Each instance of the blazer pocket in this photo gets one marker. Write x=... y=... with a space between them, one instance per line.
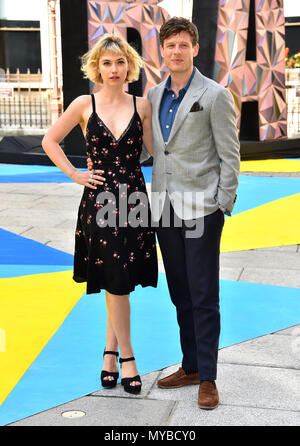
x=196 y=107
x=197 y=115
x=195 y=112
x=194 y=124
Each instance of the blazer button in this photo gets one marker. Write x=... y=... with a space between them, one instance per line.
x=166 y=152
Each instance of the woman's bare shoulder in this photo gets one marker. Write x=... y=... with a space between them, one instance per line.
x=144 y=106
x=81 y=105
x=82 y=100
x=143 y=101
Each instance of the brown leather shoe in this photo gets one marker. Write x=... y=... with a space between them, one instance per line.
x=178 y=379
x=208 y=396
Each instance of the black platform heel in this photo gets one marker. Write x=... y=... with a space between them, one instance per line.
x=109 y=384
x=126 y=382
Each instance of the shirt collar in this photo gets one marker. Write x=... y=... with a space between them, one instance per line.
x=184 y=89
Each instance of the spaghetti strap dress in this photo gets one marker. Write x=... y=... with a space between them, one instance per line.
x=115 y=245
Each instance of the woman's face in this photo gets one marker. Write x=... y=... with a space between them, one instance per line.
x=113 y=68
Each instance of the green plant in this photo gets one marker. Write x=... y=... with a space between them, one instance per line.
x=292 y=61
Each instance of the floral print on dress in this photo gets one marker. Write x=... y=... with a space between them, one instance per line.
x=115 y=258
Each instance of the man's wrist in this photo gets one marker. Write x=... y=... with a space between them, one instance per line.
x=225 y=211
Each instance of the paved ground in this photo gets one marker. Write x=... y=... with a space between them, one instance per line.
x=258 y=380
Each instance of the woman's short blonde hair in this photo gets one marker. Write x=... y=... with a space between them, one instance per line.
x=115 y=43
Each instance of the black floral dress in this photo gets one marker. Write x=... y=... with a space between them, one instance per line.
x=115 y=247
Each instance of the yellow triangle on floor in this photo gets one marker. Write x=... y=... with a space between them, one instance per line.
x=276 y=165
x=273 y=224
x=32 y=308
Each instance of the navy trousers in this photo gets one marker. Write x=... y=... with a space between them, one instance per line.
x=192 y=271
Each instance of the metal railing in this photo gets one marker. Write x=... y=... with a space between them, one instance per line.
x=24 y=104
x=29 y=105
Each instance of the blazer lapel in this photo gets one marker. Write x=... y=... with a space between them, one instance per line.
x=194 y=92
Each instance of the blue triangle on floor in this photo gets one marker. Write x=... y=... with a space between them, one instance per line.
x=44 y=174
x=27 y=270
x=16 y=249
x=256 y=191
x=253 y=191
x=69 y=366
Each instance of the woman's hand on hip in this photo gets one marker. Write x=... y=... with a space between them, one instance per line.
x=88 y=178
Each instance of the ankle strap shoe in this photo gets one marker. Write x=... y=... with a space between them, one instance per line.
x=126 y=382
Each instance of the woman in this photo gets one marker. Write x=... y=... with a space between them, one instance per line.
x=119 y=255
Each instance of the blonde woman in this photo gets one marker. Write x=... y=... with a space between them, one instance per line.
x=117 y=256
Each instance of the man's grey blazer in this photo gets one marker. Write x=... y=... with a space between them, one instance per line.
x=202 y=154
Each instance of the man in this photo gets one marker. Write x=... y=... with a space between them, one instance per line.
x=196 y=154
x=196 y=150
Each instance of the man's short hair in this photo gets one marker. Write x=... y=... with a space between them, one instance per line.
x=174 y=26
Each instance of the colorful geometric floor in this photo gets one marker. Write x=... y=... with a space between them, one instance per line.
x=273 y=165
x=52 y=333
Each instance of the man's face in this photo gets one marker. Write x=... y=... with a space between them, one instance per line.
x=179 y=52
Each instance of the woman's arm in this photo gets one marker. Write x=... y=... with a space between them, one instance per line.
x=147 y=124
x=50 y=143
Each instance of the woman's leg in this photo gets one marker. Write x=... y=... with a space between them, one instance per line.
x=118 y=310
x=110 y=362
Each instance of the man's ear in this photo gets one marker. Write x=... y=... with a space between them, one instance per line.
x=196 y=50
x=161 y=51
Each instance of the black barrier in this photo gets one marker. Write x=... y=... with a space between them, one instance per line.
x=205 y=17
x=74 y=37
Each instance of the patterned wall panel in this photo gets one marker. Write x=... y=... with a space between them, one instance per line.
x=145 y=16
x=262 y=80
